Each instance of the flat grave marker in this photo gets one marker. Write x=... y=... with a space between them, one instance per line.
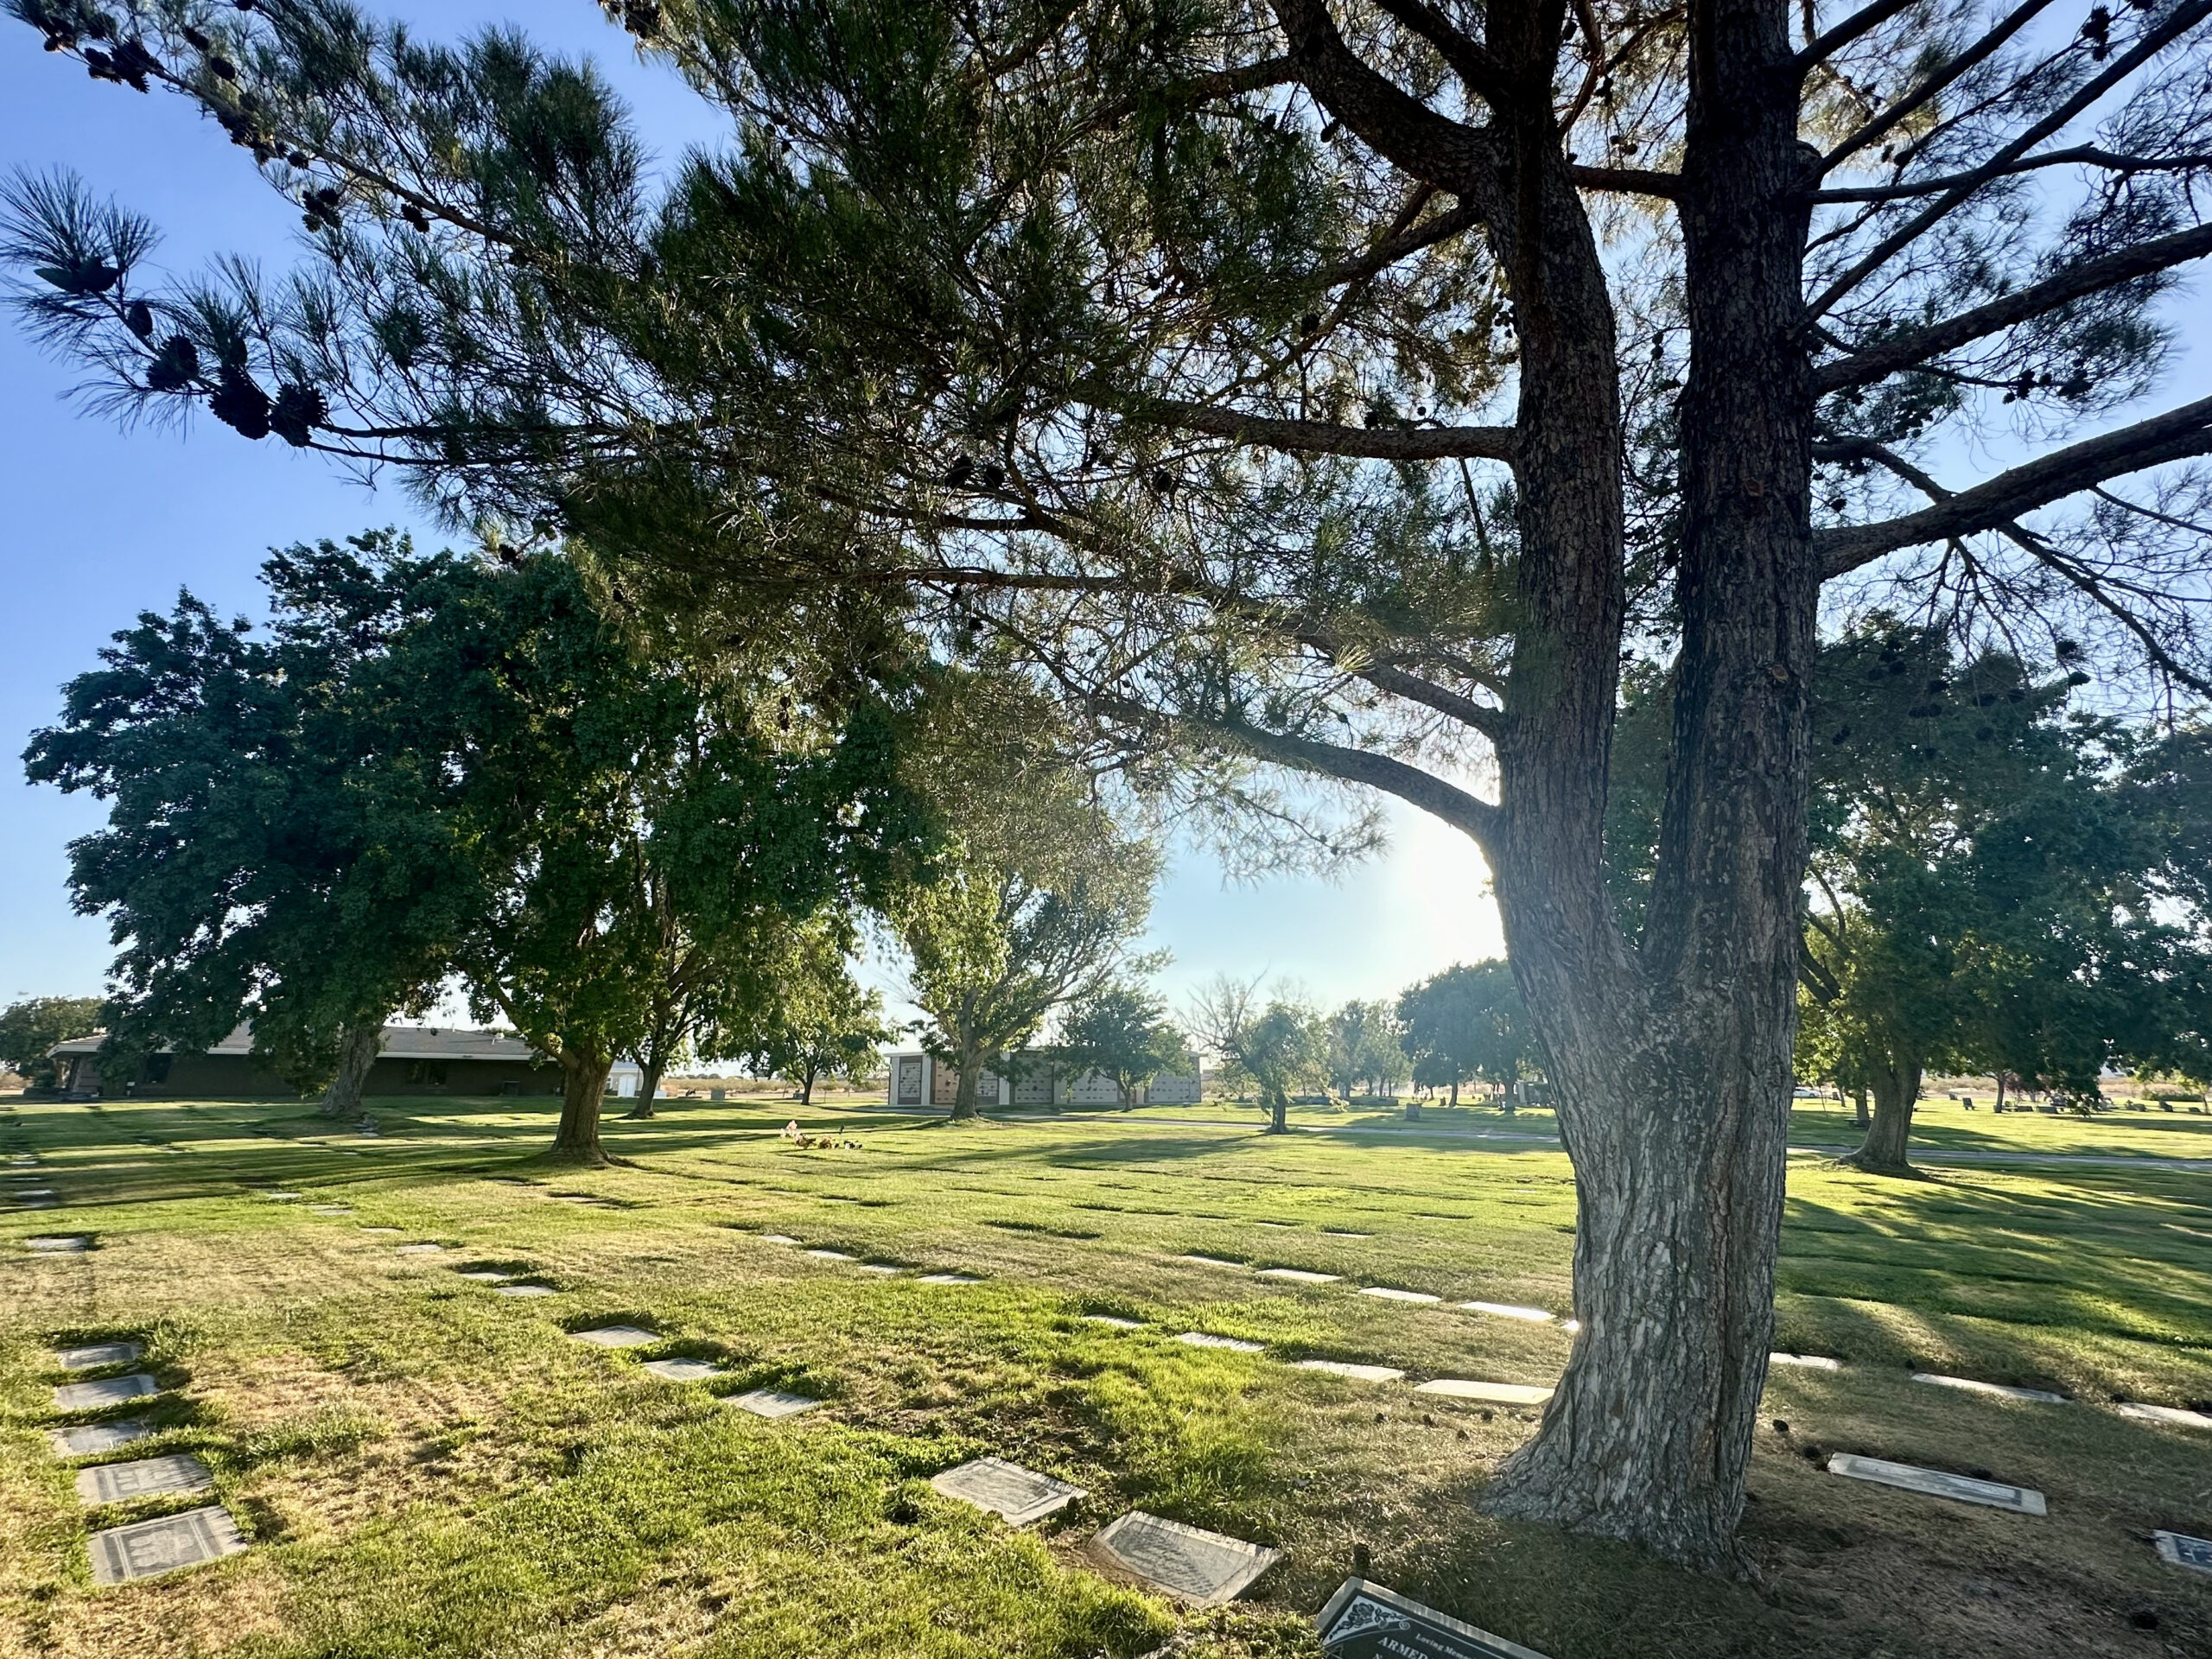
x=1201 y=1567
x=1017 y=1495
x=2179 y=1549
x=280 y=1195
x=107 y=1391
x=887 y=1269
x=1209 y=1261
x=1510 y=1311
x=97 y=1353
x=1366 y=1620
x=153 y=1548
x=58 y=1243
x=23 y=1160
x=684 y=1370
x=175 y=1475
x=1331 y=1232
x=1806 y=1362
x=1389 y=1293
x=331 y=1209
x=828 y=1256
x=773 y=1403
x=949 y=1279
x=1114 y=1319
x=1971 y=1386
x=483 y=1275
x=1207 y=1339
x=422 y=1249
x=524 y=1290
x=1934 y=1482
x=615 y=1336
x=1349 y=1368
x=1497 y=1394
x=380 y=1230
x=777 y=1238
x=1300 y=1277
x=90 y=1439
x=2177 y=1416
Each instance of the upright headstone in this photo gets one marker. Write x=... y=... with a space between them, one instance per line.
x=1201 y=1567
x=1016 y=1495
x=1366 y=1621
x=152 y=1547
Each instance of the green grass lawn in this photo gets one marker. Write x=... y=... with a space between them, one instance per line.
x=427 y=1468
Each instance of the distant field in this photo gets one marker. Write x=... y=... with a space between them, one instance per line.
x=427 y=1468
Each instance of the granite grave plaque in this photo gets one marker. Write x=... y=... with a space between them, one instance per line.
x=1509 y=1311
x=1390 y=1294
x=1209 y=1260
x=684 y=1370
x=616 y=1336
x=1299 y=1276
x=830 y=1256
x=1366 y=1621
x=1114 y=1319
x=97 y=1353
x=483 y=1275
x=773 y=1403
x=1331 y=1232
x=119 y=1483
x=1207 y=1339
x=1806 y=1362
x=2179 y=1549
x=89 y=1440
x=422 y=1249
x=107 y=1391
x=58 y=1243
x=1016 y=1495
x=1973 y=1387
x=949 y=1278
x=152 y=1547
x=366 y=1229
x=1202 y=1568
x=2177 y=1416
x=332 y=1209
x=1348 y=1368
x=525 y=1291
x=1934 y=1483
x=280 y=1195
x=1497 y=1393
x=777 y=1238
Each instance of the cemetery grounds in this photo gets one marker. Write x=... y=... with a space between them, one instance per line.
x=425 y=1464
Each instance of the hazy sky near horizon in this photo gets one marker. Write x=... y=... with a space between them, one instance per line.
x=101 y=523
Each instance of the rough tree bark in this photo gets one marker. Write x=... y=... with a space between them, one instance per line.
x=1896 y=1080
x=1671 y=1064
x=971 y=1060
x=649 y=1075
x=1279 y=1111
x=584 y=1089
x=357 y=1054
x=1858 y=1105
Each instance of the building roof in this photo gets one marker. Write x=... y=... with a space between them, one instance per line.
x=400 y=1043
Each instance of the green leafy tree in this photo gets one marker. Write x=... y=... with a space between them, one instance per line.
x=1467 y=1021
x=1276 y=1048
x=1256 y=380
x=1123 y=1031
x=1365 y=1047
x=30 y=1026
x=823 y=1023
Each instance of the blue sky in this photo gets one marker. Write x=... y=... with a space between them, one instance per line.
x=99 y=524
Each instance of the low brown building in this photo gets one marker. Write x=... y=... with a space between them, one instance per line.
x=415 y=1060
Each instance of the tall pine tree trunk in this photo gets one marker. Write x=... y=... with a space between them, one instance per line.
x=1886 y=1148
x=1670 y=1062
x=583 y=1090
x=357 y=1056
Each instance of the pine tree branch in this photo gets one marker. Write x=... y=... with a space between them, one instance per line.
x=2155 y=40
x=1481 y=717
x=1628 y=181
x=1887 y=121
x=2082 y=154
x=1481 y=72
x=1859 y=23
x=2070 y=283
x=2174 y=436
x=1327 y=438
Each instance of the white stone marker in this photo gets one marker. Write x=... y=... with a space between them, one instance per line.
x=2179 y=1549
x=175 y=1475
x=22 y=1159
x=1331 y=1232
x=525 y=1290
x=1015 y=1494
x=483 y=1275
x=1201 y=1567
x=98 y=1353
x=2179 y=1416
x=777 y=1238
x=684 y=1370
x=58 y=1243
x=773 y=1403
x=889 y=1269
x=332 y=1209
x=830 y=1256
x=1209 y=1260
x=616 y=1336
x=1509 y=1311
x=1806 y=1362
x=1115 y=1320
x=92 y=1439
x=27 y=1194
x=1389 y=1294
x=280 y=1195
x=1973 y=1387
x=1300 y=1277
x=379 y=1230
x=1234 y=1345
x=1995 y=1495
x=152 y=1547
x=422 y=1249
x=949 y=1279
x=1346 y=1367
x=108 y=1391
x=1497 y=1393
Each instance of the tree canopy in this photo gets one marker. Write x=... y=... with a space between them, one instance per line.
x=1340 y=388
x=32 y=1025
